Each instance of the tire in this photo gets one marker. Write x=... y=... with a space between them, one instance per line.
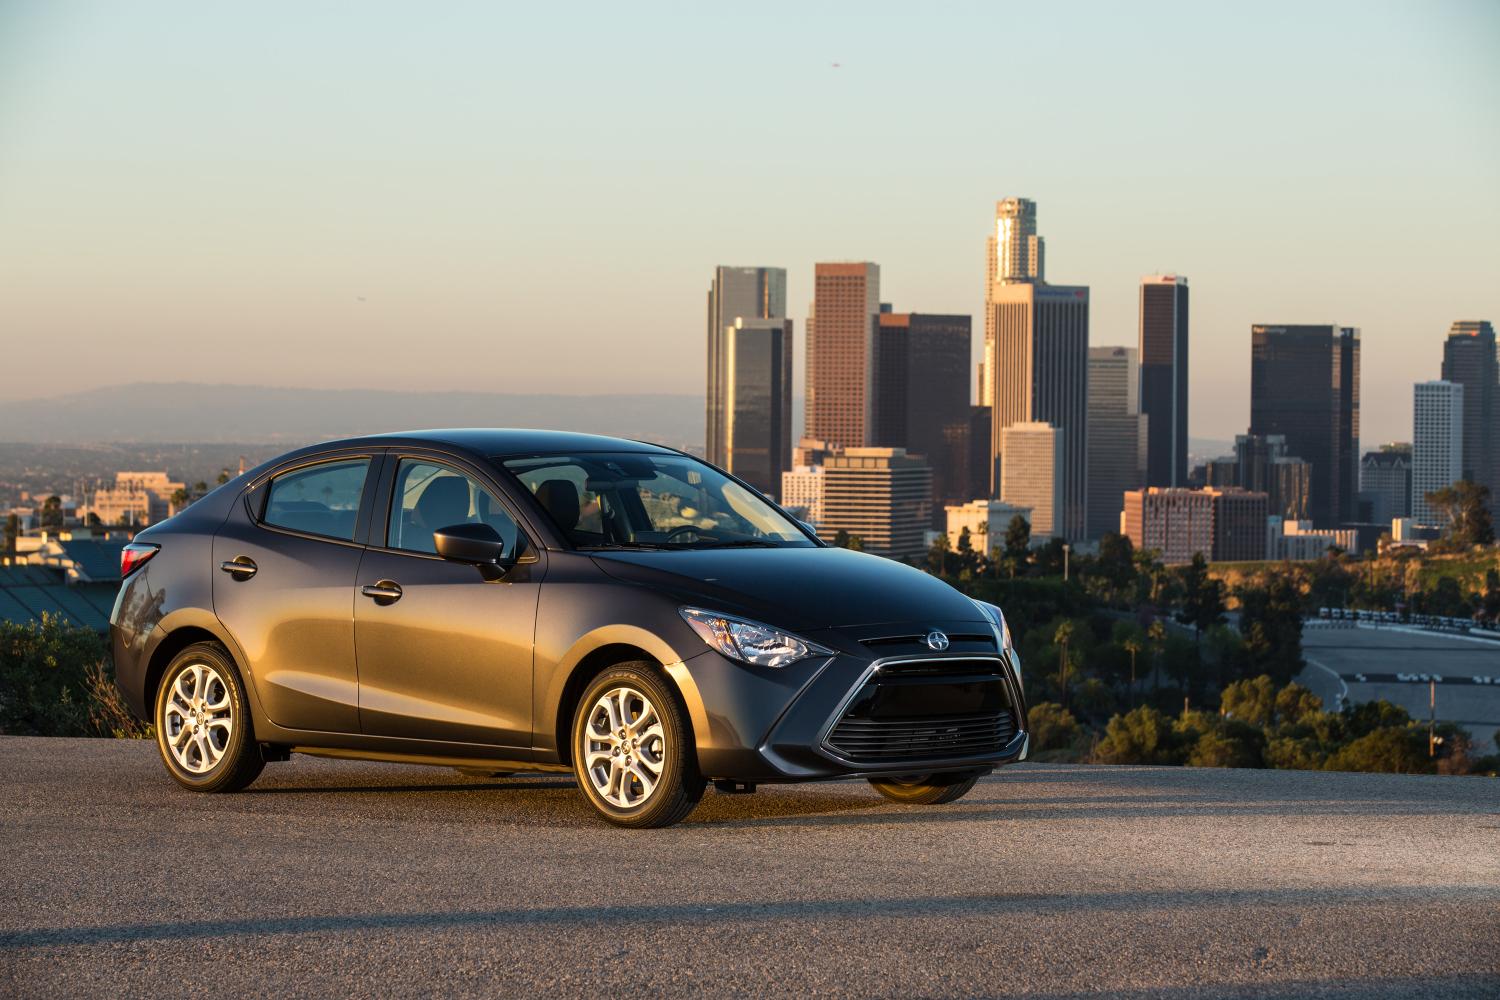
x=927 y=789
x=221 y=755
x=657 y=741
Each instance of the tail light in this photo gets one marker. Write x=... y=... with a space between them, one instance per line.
x=134 y=556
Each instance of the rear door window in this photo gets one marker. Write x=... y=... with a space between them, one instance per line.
x=318 y=499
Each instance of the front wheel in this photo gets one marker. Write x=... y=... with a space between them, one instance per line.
x=203 y=722
x=926 y=789
x=633 y=751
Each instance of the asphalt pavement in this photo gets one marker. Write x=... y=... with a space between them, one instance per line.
x=343 y=879
x=1353 y=653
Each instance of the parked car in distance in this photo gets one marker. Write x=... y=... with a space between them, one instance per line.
x=505 y=600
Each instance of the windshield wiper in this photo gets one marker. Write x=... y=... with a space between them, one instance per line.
x=741 y=543
x=619 y=547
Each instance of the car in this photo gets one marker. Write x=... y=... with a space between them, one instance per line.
x=501 y=601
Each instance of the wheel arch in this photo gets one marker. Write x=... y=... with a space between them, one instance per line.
x=181 y=630
x=609 y=651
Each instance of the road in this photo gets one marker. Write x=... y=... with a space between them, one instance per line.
x=344 y=879
x=1367 y=650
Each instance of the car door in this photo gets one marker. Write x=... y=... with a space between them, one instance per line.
x=443 y=653
x=285 y=563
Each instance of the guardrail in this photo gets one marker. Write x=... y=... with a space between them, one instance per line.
x=1352 y=618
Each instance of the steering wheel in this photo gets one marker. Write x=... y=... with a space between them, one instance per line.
x=686 y=529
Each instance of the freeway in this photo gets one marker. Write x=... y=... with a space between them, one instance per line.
x=1363 y=659
x=343 y=879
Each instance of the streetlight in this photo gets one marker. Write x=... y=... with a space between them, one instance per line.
x=1066 y=549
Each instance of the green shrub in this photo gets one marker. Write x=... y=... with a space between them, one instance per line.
x=44 y=685
x=1141 y=736
x=1052 y=726
x=1390 y=750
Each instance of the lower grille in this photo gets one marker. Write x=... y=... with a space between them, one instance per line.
x=890 y=740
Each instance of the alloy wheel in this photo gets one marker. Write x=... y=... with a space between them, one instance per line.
x=625 y=747
x=198 y=718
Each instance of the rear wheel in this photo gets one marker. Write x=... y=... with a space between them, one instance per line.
x=203 y=722
x=633 y=751
x=927 y=789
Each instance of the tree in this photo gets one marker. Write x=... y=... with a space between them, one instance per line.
x=1052 y=726
x=1141 y=736
x=52 y=513
x=1132 y=646
x=1231 y=744
x=1203 y=600
x=843 y=540
x=1252 y=701
x=1271 y=622
x=1464 y=508
x=1017 y=541
x=1116 y=561
x=1157 y=634
x=939 y=555
x=968 y=559
x=1489 y=601
x=223 y=477
x=1392 y=750
x=1060 y=639
x=44 y=677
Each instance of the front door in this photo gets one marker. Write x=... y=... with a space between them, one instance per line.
x=284 y=566
x=443 y=654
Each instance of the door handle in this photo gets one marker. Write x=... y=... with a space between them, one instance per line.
x=240 y=567
x=383 y=592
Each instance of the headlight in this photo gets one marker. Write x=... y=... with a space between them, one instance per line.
x=749 y=642
x=997 y=619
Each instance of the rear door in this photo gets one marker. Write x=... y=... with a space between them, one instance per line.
x=443 y=654
x=284 y=567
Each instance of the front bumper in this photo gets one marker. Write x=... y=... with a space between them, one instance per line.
x=854 y=714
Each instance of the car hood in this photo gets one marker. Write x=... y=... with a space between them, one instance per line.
x=795 y=588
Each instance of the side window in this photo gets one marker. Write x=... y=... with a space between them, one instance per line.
x=319 y=499
x=430 y=496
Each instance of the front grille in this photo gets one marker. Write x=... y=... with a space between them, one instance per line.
x=891 y=740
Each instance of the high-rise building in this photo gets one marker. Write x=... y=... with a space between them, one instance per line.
x=1239 y=524
x=1041 y=375
x=1469 y=359
x=747 y=293
x=1385 y=483
x=1177 y=522
x=976 y=476
x=921 y=394
x=1117 y=435
x=881 y=495
x=1304 y=386
x=840 y=348
x=802 y=492
x=1035 y=475
x=1262 y=464
x=1164 y=377
x=1437 y=444
x=1016 y=251
x=758 y=401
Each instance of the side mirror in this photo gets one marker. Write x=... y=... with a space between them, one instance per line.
x=809 y=527
x=478 y=545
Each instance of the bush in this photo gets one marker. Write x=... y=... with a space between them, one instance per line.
x=1233 y=744
x=1052 y=726
x=1391 y=750
x=56 y=681
x=44 y=685
x=1141 y=736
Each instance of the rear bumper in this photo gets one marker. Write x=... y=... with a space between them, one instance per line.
x=768 y=726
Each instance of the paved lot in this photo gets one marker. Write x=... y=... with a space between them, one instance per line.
x=349 y=879
x=1351 y=651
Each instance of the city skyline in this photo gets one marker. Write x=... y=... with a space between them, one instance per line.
x=400 y=182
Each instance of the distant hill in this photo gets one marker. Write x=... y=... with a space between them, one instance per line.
x=190 y=412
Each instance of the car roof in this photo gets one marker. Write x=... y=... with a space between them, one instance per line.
x=503 y=442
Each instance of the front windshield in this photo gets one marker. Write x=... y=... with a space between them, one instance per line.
x=649 y=501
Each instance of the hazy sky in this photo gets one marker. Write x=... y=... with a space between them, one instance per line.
x=532 y=197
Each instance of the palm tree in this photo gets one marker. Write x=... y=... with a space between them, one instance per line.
x=1060 y=638
x=1157 y=633
x=1132 y=646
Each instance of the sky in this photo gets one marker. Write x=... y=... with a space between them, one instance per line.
x=532 y=198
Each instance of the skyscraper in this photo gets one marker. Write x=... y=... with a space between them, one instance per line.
x=1164 y=377
x=1035 y=475
x=735 y=293
x=1117 y=435
x=1385 y=482
x=881 y=495
x=758 y=401
x=840 y=348
x=1015 y=256
x=1304 y=385
x=1437 y=444
x=1263 y=465
x=1469 y=360
x=921 y=395
x=1042 y=374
